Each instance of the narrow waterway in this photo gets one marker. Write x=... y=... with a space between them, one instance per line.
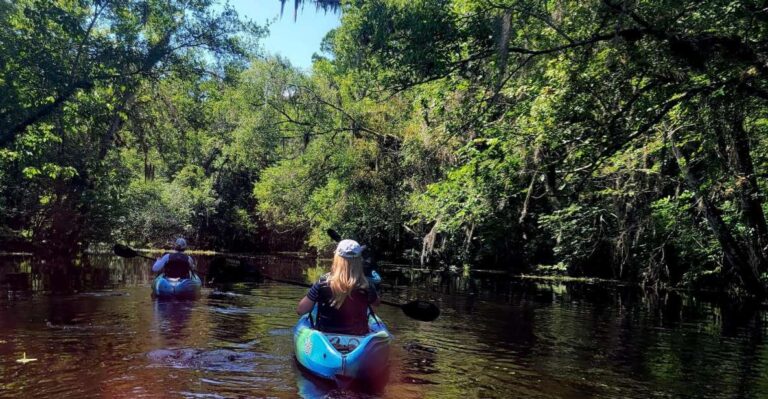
x=96 y=332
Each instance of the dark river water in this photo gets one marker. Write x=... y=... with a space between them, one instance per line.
x=96 y=332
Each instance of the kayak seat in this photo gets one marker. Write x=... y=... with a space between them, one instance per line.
x=344 y=343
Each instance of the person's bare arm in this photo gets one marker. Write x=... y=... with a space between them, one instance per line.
x=305 y=306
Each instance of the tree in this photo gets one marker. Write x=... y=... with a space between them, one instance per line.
x=576 y=89
x=72 y=73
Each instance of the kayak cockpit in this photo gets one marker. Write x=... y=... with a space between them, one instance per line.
x=343 y=343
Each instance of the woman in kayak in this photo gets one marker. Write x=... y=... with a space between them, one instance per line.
x=344 y=295
x=177 y=264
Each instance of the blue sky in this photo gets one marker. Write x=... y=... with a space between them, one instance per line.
x=297 y=40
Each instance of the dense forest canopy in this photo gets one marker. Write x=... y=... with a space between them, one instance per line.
x=619 y=139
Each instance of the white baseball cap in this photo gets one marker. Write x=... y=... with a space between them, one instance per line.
x=349 y=249
x=181 y=243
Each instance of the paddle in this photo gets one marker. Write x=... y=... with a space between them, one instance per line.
x=125 y=251
x=335 y=236
x=419 y=310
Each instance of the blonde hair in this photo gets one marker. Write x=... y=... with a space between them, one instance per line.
x=346 y=275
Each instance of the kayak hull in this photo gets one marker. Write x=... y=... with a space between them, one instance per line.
x=176 y=288
x=343 y=358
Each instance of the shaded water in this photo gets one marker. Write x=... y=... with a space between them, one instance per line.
x=97 y=333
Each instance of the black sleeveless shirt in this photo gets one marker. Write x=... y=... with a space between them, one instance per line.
x=179 y=265
x=351 y=318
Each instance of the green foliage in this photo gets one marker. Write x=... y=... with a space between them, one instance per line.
x=578 y=231
x=150 y=219
x=77 y=81
x=313 y=274
x=685 y=237
x=596 y=138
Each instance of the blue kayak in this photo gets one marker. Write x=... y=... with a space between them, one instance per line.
x=343 y=358
x=178 y=288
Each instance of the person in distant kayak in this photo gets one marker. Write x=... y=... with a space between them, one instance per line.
x=370 y=266
x=344 y=295
x=176 y=264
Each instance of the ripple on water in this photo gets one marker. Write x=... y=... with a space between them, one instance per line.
x=213 y=360
x=281 y=331
x=202 y=395
x=215 y=294
x=108 y=293
x=241 y=345
x=229 y=310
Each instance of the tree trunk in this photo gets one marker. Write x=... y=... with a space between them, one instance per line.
x=505 y=28
x=749 y=197
x=734 y=254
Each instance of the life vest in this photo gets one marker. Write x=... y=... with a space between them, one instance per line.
x=178 y=266
x=351 y=318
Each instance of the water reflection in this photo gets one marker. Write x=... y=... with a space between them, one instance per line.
x=171 y=319
x=311 y=387
x=230 y=314
x=25 y=273
x=96 y=332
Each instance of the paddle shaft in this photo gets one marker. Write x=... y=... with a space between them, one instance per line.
x=419 y=310
x=291 y=282
x=125 y=251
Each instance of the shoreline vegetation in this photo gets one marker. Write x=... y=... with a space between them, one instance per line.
x=313 y=273
x=585 y=139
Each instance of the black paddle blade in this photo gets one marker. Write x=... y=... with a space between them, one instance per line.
x=335 y=236
x=124 y=251
x=421 y=310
